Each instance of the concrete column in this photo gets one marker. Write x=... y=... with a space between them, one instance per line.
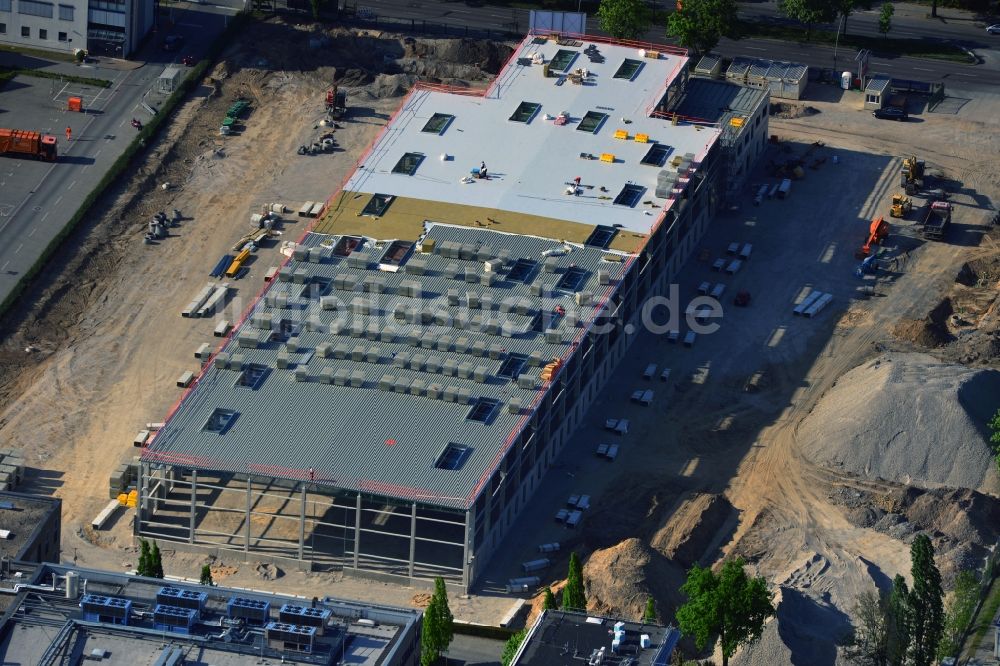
x=357 y=530
x=302 y=523
x=467 y=562
x=141 y=499
x=246 y=546
x=413 y=536
x=194 y=497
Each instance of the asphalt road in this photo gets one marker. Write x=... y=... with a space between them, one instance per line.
x=459 y=16
x=38 y=199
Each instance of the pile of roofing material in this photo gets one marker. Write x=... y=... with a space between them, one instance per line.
x=908 y=418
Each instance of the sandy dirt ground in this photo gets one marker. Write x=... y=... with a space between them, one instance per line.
x=709 y=470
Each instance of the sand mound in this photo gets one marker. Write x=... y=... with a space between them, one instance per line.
x=689 y=532
x=619 y=580
x=911 y=419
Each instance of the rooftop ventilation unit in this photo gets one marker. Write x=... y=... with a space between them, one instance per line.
x=467 y=251
x=553 y=336
x=478 y=348
x=433 y=365
x=414 y=337
x=373 y=355
x=374 y=284
x=452 y=296
x=301 y=373
x=526 y=381
x=484 y=253
x=462 y=345
x=315 y=255
x=450 y=367
x=344 y=282
x=358 y=354
x=461 y=320
x=341 y=350
x=442 y=318
x=300 y=276
x=551 y=265
x=99 y=608
x=416 y=267
x=418 y=387
x=285 y=274
x=492 y=326
x=495 y=351
x=401 y=385
x=372 y=331
x=337 y=326
x=388 y=334
x=299 y=253
x=340 y=376
x=221 y=360
x=253 y=611
x=411 y=288
x=172 y=618
x=282 y=360
x=472 y=300
x=454 y=272
x=290 y=637
x=386 y=383
x=417 y=362
x=262 y=320
x=514 y=406
x=305 y=616
x=481 y=374
x=444 y=343
x=465 y=370
x=359 y=260
x=603 y=277
x=535 y=359
x=583 y=298
x=428 y=341
x=326 y=376
x=356 y=329
x=401 y=359
x=292 y=344
x=314 y=324
x=434 y=391
x=463 y=396
x=357 y=379
x=361 y=306
x=471 y=276
x=450 y=394
x=248 y=340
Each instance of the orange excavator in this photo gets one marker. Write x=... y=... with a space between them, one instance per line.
x=877 y=233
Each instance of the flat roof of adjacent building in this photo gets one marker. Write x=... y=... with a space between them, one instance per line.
x=44 y=624
x=563 y=638
x=366 y=414
x=532 y=160
x=21 y=516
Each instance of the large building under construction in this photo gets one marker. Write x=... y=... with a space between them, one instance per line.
x=393 y=399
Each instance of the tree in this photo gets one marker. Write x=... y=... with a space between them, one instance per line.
x=961 y=607
x=511 y=646
x=898 y=623
x=729 y=605
x=623 y=19
x=315 y=6
x=808 y=12
x=573 y=596
x=868 y=644
x=155 y=562
x=430 y=634
x=549 y=600
x=649 y=615
x=846 y=7
x=702 y=23
x=926 y=609
x=143 y=568
x=206 y=575
x=885 y=18
x=446 y=621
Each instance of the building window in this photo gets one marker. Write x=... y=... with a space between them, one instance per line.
x=63 y=37
x=628 y=69
x=438 y=123
x=630 y=195
x=4 y=6
x=25 y=31
x=592 y=122
x=525 y=111
x=34 y=8
x=65 y=12
x=43 y=33
x=483 y=410
x=377 y=205
x=408 y=163
x=453 y=456
x=219 y=420
x=3 y=28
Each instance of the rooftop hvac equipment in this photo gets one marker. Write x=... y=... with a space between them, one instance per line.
x=495 y=351
x=388 y=334
x=292 y=344
x=292 y=637
x=326 y=376
x=488 y=279
x=417 y=362
x=372 y=331
x=374 y=284
x=173 y=618
x=583 y=297
x=462 y=344
x=172 y=596
x=401 y=385
x=99 y=608
x=305 y=616
x=481 y=374
x=433 y=365
x=551 y=265
x=337 y=326
x=461 y=320
x=467 y=251
x=471 y=276
x=401 y=359
x=447 y=249
x=361 y=306
x=472 y=300
x=450 y=367
x=340 y=377
x=411 y=288
x=535 y=358
x=356 y=329
x=416 y=266
x=465 y=370
x=491 y=266
x=414 y=338
x=553 y=336
x=478 y=348
x=284 y=274
x=386 y=383
x=514 y=406
x=418 y=387
x=443 y=344
x=248 y=340
x=454 y=272
x=221 y=360
x=452 y=295
x=373 y=355
x=253 y=611
x=434 y=391
x=300 y=253
x=603 y=276
x=463 y=395
x=484 y=253
x=428 y=341
x=526 y=381
x=341 y=350
x=314 y=323
x=344 y=282
x=359 y=260
x=236 y=362
x=425 y=317
x=282 y=360
x=300 y=276
x=492 y=326
x=315 y=255
x=301 y=373
x=262 y=320
x=358 y=354
x=450 y=393
x=486 y=302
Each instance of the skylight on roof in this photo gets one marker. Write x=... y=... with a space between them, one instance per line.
x=562 y=60
x=438 y=123
x=656 y=155
x=521 y=270
x=512 y=366
x=453 y=456
x=252 y=376
x=525 y=112
x=219 y=420
x=628 y=69
x=572 y=278
x=408 y=163
x=483 y=410
x=377 y=205
x=630 y=195
x=592 y=122
x=601 y=236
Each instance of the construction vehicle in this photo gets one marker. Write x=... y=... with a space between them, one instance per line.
x=911 y=176
x=878 y=231
x=936 y=221
x=901 y=205
x=336 y=103
x=28 y=144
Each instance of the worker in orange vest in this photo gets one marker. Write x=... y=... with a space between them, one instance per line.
x=69 y=133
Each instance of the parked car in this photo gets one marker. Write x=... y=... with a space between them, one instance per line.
x=890 y=113
x=172 y=42
x=994 y=29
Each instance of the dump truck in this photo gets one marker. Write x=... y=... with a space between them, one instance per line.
x=901 y=205
x=936 y=220
x=28 y=143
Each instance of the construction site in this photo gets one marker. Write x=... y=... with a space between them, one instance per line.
x=396 y=327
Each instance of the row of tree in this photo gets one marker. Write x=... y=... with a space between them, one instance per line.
x=700 y=24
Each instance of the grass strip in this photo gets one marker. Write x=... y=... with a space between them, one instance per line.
x=39 y=53
x=879 y=46
x=120 y=165
x=43 y=74
x=984 y=619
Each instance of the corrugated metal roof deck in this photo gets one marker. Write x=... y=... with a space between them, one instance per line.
x=365 y=438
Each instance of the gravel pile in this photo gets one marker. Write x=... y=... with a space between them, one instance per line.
x=911 y=419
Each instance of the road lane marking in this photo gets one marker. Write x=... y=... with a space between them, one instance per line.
x=56 y=202
x=5 y=265
x=921 y=69
x=18 y=248
x=97 y=153
x=71 y=186
x=753 y=48
x=971 y=76
x=32 y=232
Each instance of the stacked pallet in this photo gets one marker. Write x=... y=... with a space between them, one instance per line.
x=11 y=468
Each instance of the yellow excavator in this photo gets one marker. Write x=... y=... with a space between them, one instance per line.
x=901 y=205
x=911 y=175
